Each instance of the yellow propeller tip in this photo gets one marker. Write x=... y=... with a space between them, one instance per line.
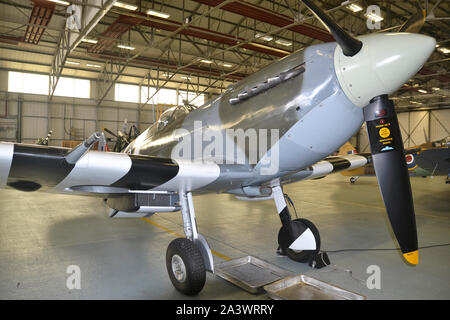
x=412 y=257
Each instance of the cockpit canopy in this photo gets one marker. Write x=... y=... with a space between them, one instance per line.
x=172 y=114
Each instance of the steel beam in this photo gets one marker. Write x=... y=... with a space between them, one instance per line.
x=69 y=40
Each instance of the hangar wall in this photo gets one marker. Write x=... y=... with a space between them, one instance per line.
x=75 y=118
x=69 y=118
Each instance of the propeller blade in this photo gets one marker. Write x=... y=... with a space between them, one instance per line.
x=415 y=23
x=392 y=173
x=350 y=46
x=110 y=132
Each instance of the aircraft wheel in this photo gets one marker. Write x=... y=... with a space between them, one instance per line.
x=185 y=266
x=352 y=180
x=302 y=255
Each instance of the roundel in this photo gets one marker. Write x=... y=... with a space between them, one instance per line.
x=410 y=161
x=409 y=158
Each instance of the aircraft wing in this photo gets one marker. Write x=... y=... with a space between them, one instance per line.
x=34 y=167
x=435 y=160
x=331 y=164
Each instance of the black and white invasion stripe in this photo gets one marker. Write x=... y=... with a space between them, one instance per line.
x=34 y=167
x=327 y=166
x=337 y=163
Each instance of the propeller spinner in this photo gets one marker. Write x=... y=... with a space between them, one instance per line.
x=368 y=69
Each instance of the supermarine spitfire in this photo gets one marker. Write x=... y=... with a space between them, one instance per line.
x=299 y=109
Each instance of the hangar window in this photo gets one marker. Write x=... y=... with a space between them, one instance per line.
x=167 y=96
x=192 y=97
x=39 y=84
x=163 y=96
x=126 y=92
x=28 y=82
x=148 y=92
x=71 y=87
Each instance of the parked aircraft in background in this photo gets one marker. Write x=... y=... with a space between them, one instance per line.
x=425 y=160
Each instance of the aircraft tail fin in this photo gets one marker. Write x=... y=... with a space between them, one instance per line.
x=347 y=148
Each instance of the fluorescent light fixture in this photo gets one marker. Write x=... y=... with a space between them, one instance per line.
x=124 y=5
x=123 y=46
x=226 y=65
x=284 y=42
x=93 y=65
x=72 y=62
x=264 y=37
x=422 y=91
x=64 y=3
x=206 y=61
x=89 y=40
x=444 y=50
x=354 y=7
x=158 y=14
x=186 y=78
x=269 y=48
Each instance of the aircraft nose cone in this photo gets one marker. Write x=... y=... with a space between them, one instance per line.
x=384 y=64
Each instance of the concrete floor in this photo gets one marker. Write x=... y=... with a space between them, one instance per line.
x=42 y=234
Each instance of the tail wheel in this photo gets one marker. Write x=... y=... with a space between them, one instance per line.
x=185 y=266
x=303 y=255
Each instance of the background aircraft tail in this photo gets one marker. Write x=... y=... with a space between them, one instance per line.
x=347 y=148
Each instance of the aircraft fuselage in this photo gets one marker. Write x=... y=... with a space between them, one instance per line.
x=312 y=114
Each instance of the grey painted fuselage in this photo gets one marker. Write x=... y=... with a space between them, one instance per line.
x=311 y=112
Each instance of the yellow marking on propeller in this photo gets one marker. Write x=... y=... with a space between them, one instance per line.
x=412 y=257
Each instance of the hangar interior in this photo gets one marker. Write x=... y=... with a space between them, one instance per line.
x=117 y=63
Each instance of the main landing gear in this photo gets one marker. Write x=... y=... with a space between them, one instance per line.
x=299 y=239
x=188 y=259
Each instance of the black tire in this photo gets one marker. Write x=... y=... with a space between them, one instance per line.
x=192 y=280
x=304 y=255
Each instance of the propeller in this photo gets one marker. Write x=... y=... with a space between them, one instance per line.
x=350 y=46
x=415 y=23
x=367 y=78
x=110 y=132
x=388 y=156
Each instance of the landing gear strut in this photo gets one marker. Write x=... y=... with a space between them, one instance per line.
x=299 y=239
x=188 y=259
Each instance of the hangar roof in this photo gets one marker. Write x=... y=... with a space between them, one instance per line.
x=201 y=45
